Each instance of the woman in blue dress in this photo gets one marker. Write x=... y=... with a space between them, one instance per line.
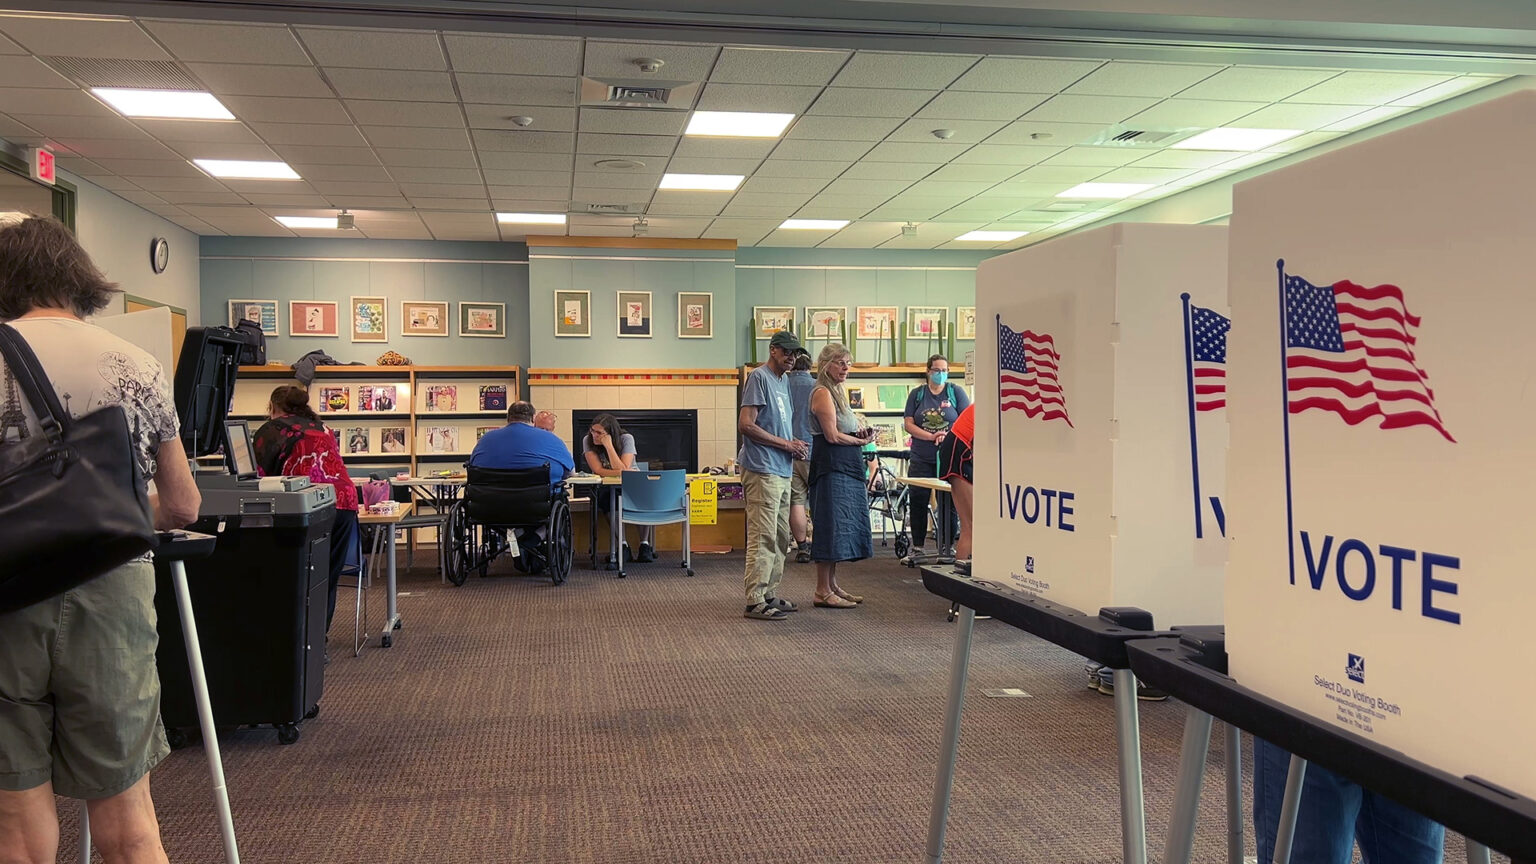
x=837 y=482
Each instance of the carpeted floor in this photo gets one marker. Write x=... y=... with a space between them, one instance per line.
x=644 y=720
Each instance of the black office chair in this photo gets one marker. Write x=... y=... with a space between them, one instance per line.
x=498 y=500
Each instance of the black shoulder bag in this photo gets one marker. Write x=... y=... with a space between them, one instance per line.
x=72 y=502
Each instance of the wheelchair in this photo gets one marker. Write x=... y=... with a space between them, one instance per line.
x=498 y=500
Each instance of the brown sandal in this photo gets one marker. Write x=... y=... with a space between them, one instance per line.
x=852 y=598
x=832 y=601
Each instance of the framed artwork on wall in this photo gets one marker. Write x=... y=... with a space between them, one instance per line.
x=486 y=320
x=965 y=322
x=573 y=313
x=926 y=322
x=263 y=312
x=370 y=319
x=876 y=322
x=423 y=318
x=825 y=322
x=768 y=320
x=695 y=315
x=635 y=314
x=312 y=318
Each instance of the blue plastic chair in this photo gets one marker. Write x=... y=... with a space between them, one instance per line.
x=656 y=498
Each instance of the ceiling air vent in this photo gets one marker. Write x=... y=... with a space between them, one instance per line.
x=1126 y=136
x=652 y=94
x=622 y=95
x=137 y=74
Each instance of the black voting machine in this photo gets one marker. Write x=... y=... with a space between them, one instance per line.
x=260 y=598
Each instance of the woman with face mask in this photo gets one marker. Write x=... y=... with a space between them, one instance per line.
x=931 y=410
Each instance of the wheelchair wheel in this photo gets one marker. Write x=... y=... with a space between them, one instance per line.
x=461 y=544
x=561 y=542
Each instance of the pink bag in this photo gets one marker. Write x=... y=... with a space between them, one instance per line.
x=374 y=492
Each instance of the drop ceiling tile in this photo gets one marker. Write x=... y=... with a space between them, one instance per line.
x=614 y=179
x=777 y=66
x=783 y=184
x=528 y=178
x=1256 y=83
x=1070 y=174
x=287 y=81
x=546 y=118
x=421 y=203
x=1056 y=134
x=726 y=148
x=821 y=150
x=48 y=102
x=110 y=182
x=102 y=38
x=347 y=187
x=683 y=62
x=632 y=121
x=992 y=173
x=826 y=128
x=229 y=43
x=965 y=131
x=9 y=126
x=794 y=239
x=948 y=188
x=493 y=160
x=744 y=231
x=207 y=150
x=404 y=86
x=374 y=49
x=918 y=210
x=888 y=171
x=417 y=136
x=393 y=201
x=981 y=106
x=344 y=173
x=861 y=188
x=141 y=198
x=1105 y=157
x=903 y=71
x=202 y=198
x=1019 y=75
x=1367 y=88
x=684 y=207
x=196 y=226
x=118 y=148
x=200 y=183
x=296 y=154
x=1430 y=95
x=514 y=55
x=838 y=207
x=706 y=165
x=435 y=174
x=788 y=200
x=934 y=153
x=443 y=190
x=213 y=132
x=314 y=134
x=973 y=212
x=801 y=169
x=867 y=102
x=271 y=109
x=1190 y=159
x=80 y=127
x=297 y=199
x=648 y=146
x=274 y=187
x=1088 y=109
x=757 y=97
x=1291 y=115
x=517 y=89
x=611 y=196
x=408 y=232
x=23 y=71
x=9 y=47
x=426 y=158
x=1140 y=174
x=1368 y=117
x=532 y=193
x=863 y=235
x=1130 y=78
x=1192 y=113
x=1302 y=142
x=150 y=168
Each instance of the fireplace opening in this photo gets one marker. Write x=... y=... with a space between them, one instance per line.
x=664 y=439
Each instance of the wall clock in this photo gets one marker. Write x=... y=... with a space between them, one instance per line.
x=159 y=254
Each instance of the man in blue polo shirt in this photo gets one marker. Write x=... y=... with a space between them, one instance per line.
x=768 y=451
x=520 y=444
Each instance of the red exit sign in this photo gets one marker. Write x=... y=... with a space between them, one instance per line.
x=42 y=166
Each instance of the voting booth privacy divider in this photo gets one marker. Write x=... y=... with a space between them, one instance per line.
x=1383 y=440
x=1100 y=470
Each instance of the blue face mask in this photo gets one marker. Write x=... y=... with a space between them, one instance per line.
x=938 y=378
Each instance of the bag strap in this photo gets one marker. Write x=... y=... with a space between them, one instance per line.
x=34 y=383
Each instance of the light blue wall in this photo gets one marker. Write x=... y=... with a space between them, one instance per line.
x=289 y=269
x=606 y=272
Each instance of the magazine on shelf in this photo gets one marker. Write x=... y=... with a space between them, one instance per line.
x=357 y=440
x=335 y=399
x=443 y=397
x=442 y=439
x=493 y=397
x=481 y=430
x=392 y=439
x=887 y=436
x=379 y=397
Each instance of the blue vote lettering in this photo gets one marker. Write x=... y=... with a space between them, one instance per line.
x=1032 y=505
x=1354 y=569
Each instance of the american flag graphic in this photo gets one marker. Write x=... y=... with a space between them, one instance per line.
x=1029 y=377
x=1208 y=332
x=1350 y=351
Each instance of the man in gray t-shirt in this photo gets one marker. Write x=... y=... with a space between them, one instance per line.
x=768 y=451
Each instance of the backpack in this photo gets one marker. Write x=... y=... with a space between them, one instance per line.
x=315 y=456
x=254 y=350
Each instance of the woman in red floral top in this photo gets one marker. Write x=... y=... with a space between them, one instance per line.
x=293 y=442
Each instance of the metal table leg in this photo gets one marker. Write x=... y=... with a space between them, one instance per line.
x=392 y=612
x=958 y=669
x=204 y=712
x=1234 y=747
x=85 y=833
x=1477 y=853
x=1133 y=819
x=1290 y=806
x=1186 y=796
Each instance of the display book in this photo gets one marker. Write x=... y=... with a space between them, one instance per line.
x=414 y=416
x=879 y=395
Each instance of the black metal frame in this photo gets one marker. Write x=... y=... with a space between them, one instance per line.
x=475 y=542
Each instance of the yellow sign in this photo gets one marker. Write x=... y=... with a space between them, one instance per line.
x=704 y=500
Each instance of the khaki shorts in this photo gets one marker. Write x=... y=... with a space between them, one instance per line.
x=79 y=690
x=800 y=483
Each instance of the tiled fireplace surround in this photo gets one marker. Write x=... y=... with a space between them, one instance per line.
x=711 y=391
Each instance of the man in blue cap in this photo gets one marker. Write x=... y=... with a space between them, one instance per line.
x=768 y=451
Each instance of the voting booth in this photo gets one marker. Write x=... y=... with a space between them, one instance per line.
x=1383 y=440
x=1100 y=426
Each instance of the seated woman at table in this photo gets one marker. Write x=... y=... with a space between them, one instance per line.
x=293 y=442
x=609 y=452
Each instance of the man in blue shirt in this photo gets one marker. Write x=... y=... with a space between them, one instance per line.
x=520 y=444
x=768 y=451
x=801 y=383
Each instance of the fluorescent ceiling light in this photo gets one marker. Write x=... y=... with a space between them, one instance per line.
x=241 y=169
x=178 y=104
x=1104 y=190
x=1232 y=138
x=307 y=221
x=737 y=124
x=702 y=182
x=990 y=236
x=531 y=218
x=812 y=224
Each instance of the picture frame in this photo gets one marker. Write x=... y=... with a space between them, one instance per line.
x=423 y=318
x=926 y=322
x=483 y=320
x=573 y=313
x=825 y=322
x=264 y=312
x=634 y=312
x=876 y=322
x=965 y=322
x=369 y=319
x=695 y=315
x=312 y=318
x=768 y=320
